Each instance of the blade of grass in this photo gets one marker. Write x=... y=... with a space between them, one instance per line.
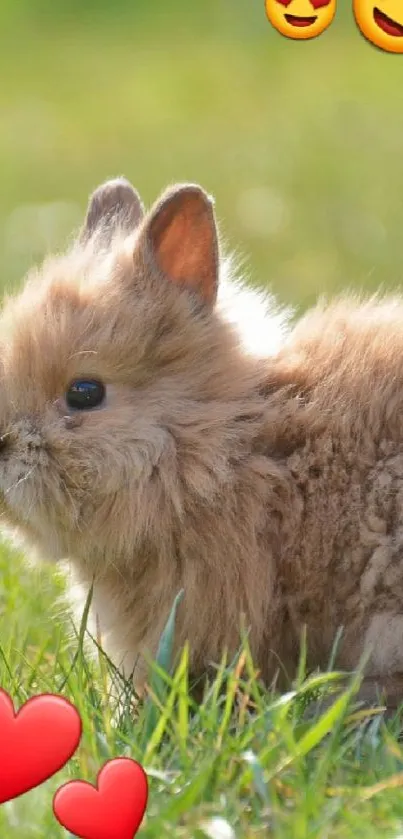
x=81 y=634
x=157 y=688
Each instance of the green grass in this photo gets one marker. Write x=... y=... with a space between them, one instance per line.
x=301 y=144
x=262 y=764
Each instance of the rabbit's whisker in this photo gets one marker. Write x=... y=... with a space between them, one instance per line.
x=20 y=480
x=83 y=352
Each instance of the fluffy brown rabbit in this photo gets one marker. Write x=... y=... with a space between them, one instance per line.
x=144 y=438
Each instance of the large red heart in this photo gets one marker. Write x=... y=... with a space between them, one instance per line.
x=35 y=742
x=114 y=809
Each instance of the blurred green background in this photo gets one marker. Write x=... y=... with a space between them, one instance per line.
x=300 y=142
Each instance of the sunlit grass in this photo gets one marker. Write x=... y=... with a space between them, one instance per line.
x=262 y=764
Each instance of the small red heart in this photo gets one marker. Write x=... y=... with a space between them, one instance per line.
x=114 y=809
x=35 y=742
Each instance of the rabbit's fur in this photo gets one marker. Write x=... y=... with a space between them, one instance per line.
x=268 y=486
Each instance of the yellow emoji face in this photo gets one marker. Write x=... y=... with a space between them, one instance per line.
x=381 y=21
x=300 y=19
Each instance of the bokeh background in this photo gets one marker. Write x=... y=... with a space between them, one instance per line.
x=301 y=144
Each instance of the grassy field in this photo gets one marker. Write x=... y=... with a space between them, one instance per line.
x=301 y=144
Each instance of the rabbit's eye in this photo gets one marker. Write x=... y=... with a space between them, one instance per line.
x=84 y=394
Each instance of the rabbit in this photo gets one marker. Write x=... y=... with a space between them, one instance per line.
x=165 y=428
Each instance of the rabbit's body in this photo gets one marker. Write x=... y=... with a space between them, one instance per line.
x=266 y=487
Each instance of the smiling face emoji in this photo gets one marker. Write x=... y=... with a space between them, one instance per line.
x=381 y=21
x=300 y=19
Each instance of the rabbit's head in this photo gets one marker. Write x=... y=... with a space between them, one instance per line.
x=107 y=355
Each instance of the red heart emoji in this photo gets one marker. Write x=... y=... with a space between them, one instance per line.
x=114 y=809
x=35 y=742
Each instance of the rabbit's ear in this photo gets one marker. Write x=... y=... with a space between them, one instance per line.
x=181 y=239
x=113 y=204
